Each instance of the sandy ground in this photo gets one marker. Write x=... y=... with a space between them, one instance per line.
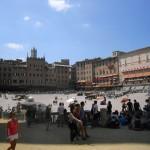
x=80 y=147
x=37 y=138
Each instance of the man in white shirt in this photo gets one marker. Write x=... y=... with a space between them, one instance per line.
x=95 y=114
x=60 y=111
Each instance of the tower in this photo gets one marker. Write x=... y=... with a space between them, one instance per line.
x=33 y=53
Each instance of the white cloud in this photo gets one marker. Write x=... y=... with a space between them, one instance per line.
x=86 y=25
x=27 y=18
x=15 y=46
x=33 y=22
x=38 y=24
x=59 y=5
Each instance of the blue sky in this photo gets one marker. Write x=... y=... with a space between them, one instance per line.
x=74 y=29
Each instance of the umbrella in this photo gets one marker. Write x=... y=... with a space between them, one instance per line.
x=124 y=100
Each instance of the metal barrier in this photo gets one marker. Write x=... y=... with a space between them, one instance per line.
x=19 y=116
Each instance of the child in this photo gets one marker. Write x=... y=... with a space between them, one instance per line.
x=12 y=131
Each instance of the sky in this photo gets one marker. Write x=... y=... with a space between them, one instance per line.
x=73 y=29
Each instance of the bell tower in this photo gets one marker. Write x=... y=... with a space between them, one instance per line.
x=33 y=53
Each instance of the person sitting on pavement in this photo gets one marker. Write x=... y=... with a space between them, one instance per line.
x=114 y=121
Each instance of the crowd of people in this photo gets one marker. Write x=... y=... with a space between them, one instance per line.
x=77 y=119
x=131 y=115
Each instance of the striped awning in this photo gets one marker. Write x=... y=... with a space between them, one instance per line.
x=137 y=75
x=136 y=68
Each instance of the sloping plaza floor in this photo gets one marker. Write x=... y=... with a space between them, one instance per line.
x=79 y=147
x=37 y=138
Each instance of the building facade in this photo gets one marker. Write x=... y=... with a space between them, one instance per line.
x=134 y=67
x=122 y=68
x=35 y=73
x=12 y=73
x=62 y=73
x=85 y=72
x=107 y=72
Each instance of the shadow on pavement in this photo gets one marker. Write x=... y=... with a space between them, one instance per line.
x=37 y=134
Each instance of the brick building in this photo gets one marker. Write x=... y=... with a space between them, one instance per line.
x=35 y=73
x=85 y=72
x=107 y=72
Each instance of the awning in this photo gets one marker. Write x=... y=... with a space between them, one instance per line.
x=136 y=68
x=137 y=75
x=102 y=85
x=81 y=81
x=115 y=76
x=110 y=75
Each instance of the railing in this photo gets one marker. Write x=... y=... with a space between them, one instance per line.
x=19 y=116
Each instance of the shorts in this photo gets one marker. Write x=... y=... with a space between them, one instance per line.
x=13 y=137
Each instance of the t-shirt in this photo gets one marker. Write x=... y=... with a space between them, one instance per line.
x=95 y=109
x=61 y=110
x=82 y=114
x=12 y=127
x=130 y=106
x=136 y=106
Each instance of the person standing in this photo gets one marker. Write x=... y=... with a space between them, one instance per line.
x=1 y=112
x=48 y=117
x=130 y=107
x=12 y=131
x=83 y=118
x=28 y=117
x=95 y=114
x=60 y=115
x=136 y=106
x=39 y=114
x=109 y=108
x=124 y=107
x=18 y=107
